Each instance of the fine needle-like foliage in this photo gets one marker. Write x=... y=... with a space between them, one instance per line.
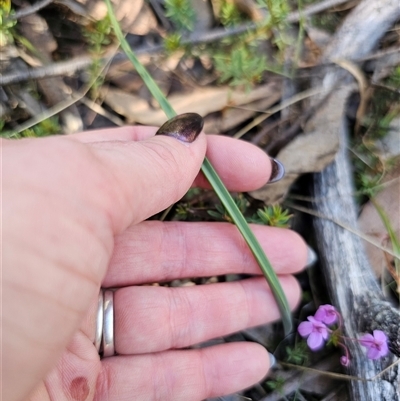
x=215 y=181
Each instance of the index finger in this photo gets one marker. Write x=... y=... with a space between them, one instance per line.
x=241 y=165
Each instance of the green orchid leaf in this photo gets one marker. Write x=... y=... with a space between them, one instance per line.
x=216 y=183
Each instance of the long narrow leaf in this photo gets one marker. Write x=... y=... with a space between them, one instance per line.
x=141 y=70
x=215 y=181
x=389 y=228
x=251 y=240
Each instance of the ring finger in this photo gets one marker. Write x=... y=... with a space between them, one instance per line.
x=151 y=319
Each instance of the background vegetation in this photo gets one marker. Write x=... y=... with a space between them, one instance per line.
x=248 y=67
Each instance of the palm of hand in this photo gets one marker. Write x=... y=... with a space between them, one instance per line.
x=75 y=375
x=102 y=242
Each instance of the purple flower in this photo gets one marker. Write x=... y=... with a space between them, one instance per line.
x=344 y=360
x=326 y=314
x=376 y=344
x=316 y=332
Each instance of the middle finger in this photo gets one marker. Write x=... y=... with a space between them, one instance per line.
x=154 y=252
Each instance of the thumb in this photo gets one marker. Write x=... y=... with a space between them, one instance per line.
x=149 y=175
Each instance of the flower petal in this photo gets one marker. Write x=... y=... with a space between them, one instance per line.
x=315 y=341
x=320 y=314
x=384 y=349
x=324 y=333
x=373 y=353
x=344 y=360
x=367 y=340
x=326 y=314
x=305 y=329
x=380 y=336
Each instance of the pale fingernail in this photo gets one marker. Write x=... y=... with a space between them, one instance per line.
x=311 y=256
x=272 y=360
x=185 y=127
x=278 y=171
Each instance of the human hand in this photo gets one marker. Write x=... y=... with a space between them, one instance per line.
x=73 y=211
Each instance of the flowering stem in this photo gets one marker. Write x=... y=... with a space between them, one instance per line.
x=345 y=359
x=340 y=319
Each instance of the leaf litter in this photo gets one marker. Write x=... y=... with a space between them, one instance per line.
x=227 y=109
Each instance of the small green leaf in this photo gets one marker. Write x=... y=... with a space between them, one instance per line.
x=229 y=14
x=273 y=216
x=181 y=13
x=217 y=216
x=241 y=67
x=172 y=42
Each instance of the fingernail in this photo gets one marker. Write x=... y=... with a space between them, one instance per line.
x=311 y=256
x=185 y=127
x=278 y=171
x=272 y=360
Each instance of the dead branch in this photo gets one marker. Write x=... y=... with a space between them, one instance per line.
x=352 y=284
x=24 y=12
x=350 y=279
x=315 y=9
x=80 y=63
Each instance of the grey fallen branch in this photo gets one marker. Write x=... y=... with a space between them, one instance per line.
x=80 y=63
x=352 y=284
x=24 y=12
x=349 y=276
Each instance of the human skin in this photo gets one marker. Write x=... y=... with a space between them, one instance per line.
x=73 y=211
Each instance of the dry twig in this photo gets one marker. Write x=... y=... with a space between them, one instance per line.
x=79 y=63
x=24 y=12
x=352 y=284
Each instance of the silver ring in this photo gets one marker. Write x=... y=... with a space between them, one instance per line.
x=99 y=322
x=108 y=323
